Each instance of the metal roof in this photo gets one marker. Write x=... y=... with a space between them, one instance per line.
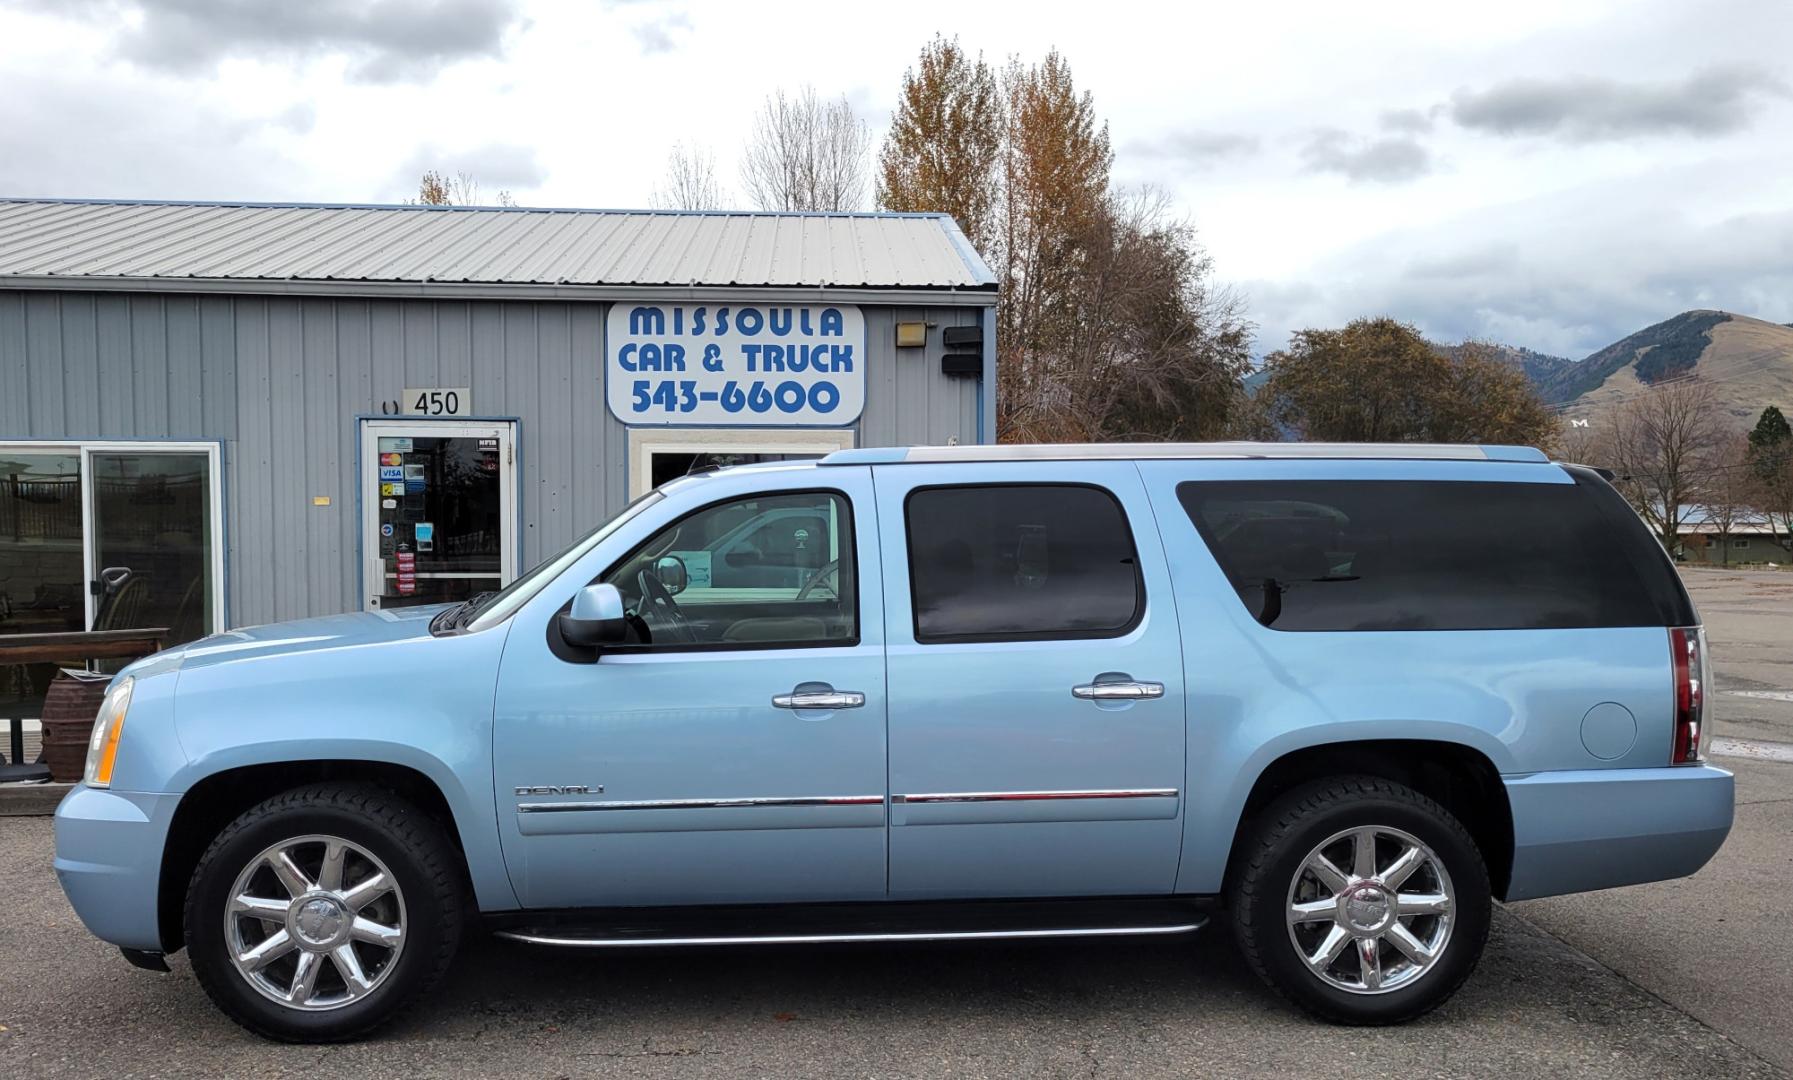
x=1124 y=451
x=73 y=243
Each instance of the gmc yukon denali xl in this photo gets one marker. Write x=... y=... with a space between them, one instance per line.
x=1342 y=697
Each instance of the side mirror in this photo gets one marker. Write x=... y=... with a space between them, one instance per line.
x=670 y=569
x=596 y=619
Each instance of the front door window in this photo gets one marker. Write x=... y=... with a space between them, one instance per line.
x=438 y=505
x=762 y=570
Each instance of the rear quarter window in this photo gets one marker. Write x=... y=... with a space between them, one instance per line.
x=1421 y=555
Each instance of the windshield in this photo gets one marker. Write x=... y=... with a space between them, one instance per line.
x=495 y=607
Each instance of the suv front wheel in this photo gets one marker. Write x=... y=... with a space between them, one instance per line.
x=1361 y=900
x=321 y=913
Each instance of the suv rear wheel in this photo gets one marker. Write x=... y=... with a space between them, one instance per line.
x=1361 y=900
x=321 y=913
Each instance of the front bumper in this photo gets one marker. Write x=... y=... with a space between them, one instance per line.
x=109 y=861
x=1599 y=828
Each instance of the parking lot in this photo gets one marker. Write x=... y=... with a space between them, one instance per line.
x=1685 y=977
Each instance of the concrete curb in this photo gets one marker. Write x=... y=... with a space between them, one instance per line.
x=31 y=800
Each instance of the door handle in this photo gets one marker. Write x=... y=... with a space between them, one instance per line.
x=820 y=699
x=1118 y=691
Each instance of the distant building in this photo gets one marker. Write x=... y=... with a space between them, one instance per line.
x=1751 y=538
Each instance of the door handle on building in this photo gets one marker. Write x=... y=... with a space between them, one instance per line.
x=820 y=699
x=1118 y=691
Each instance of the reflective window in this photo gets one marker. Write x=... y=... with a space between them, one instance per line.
x=153 y=519
x=993 y=563
x=1418 y=555
x=766 y=570
x=42 y=576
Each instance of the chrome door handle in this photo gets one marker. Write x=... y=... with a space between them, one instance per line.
x=820 y=699
x=1118 y=691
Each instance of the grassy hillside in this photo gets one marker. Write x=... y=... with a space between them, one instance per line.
x=1747 y=362
x=1671 y=347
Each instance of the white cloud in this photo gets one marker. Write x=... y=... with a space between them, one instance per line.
x=1551 y=234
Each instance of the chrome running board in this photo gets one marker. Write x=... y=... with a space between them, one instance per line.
x=644 y=941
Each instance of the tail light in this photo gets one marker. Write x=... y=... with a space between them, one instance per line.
x=1687 y=645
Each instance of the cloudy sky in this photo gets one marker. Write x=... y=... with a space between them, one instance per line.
x=1547 y=174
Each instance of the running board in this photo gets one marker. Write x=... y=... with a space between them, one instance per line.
x=570 y=938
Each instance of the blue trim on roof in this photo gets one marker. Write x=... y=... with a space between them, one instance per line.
x=1515 y=453
x=959 y=237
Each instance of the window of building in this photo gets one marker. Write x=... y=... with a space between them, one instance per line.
x=995 y=563
x=659 y=455
x=1740 y=543
x=1418 y=555
x=764 y=570
x=106 y=536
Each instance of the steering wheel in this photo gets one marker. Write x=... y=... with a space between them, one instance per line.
x=654 y=592
x=831 y=566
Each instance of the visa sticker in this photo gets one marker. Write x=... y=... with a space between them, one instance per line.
x=392 y=472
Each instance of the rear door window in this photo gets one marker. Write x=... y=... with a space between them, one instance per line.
x=1418 y=555
x=1021 y=562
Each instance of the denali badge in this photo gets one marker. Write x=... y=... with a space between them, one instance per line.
x=561 y=789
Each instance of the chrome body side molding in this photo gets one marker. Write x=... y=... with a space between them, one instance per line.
x=700 y=804
x=533 y=938
x=1034 y=796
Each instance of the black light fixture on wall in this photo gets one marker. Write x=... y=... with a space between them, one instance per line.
x=964 y=351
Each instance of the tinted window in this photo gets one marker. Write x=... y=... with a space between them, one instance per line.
x=989 y=563
x=766 y=570
x=1412 y=555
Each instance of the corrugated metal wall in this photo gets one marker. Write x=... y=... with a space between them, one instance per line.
x=282 y=380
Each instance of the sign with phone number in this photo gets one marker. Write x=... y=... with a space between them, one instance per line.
x=761 y=365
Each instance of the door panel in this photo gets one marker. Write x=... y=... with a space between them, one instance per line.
x=1003 y=782
x=699 y=788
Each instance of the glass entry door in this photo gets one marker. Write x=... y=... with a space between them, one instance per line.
x=152 y=515
x=438 y=507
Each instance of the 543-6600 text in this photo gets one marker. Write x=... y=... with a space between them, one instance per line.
x=683 y=396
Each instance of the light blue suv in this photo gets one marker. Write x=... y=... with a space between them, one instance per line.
x=1345 y=695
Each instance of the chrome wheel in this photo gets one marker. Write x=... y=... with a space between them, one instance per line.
x=1370 y=910
x=315 y=922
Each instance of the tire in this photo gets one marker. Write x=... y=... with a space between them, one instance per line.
x=1413 y=962
x=345 y=995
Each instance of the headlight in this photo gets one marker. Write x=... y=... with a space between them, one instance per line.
x=102 y=750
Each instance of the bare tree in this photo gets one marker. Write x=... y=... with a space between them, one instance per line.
x=1579 y=441
x=1662 y=447
x=1728 y=489
x=690 y=182
x=807 y=154
x=439 y=189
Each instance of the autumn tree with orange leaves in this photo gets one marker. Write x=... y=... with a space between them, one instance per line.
x=1109 y=325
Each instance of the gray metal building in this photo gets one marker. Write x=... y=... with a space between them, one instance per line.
x=274 y=411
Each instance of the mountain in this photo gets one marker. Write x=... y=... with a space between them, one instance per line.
x=1747 y=362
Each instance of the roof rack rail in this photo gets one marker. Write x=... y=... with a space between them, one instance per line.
x=921 y=455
